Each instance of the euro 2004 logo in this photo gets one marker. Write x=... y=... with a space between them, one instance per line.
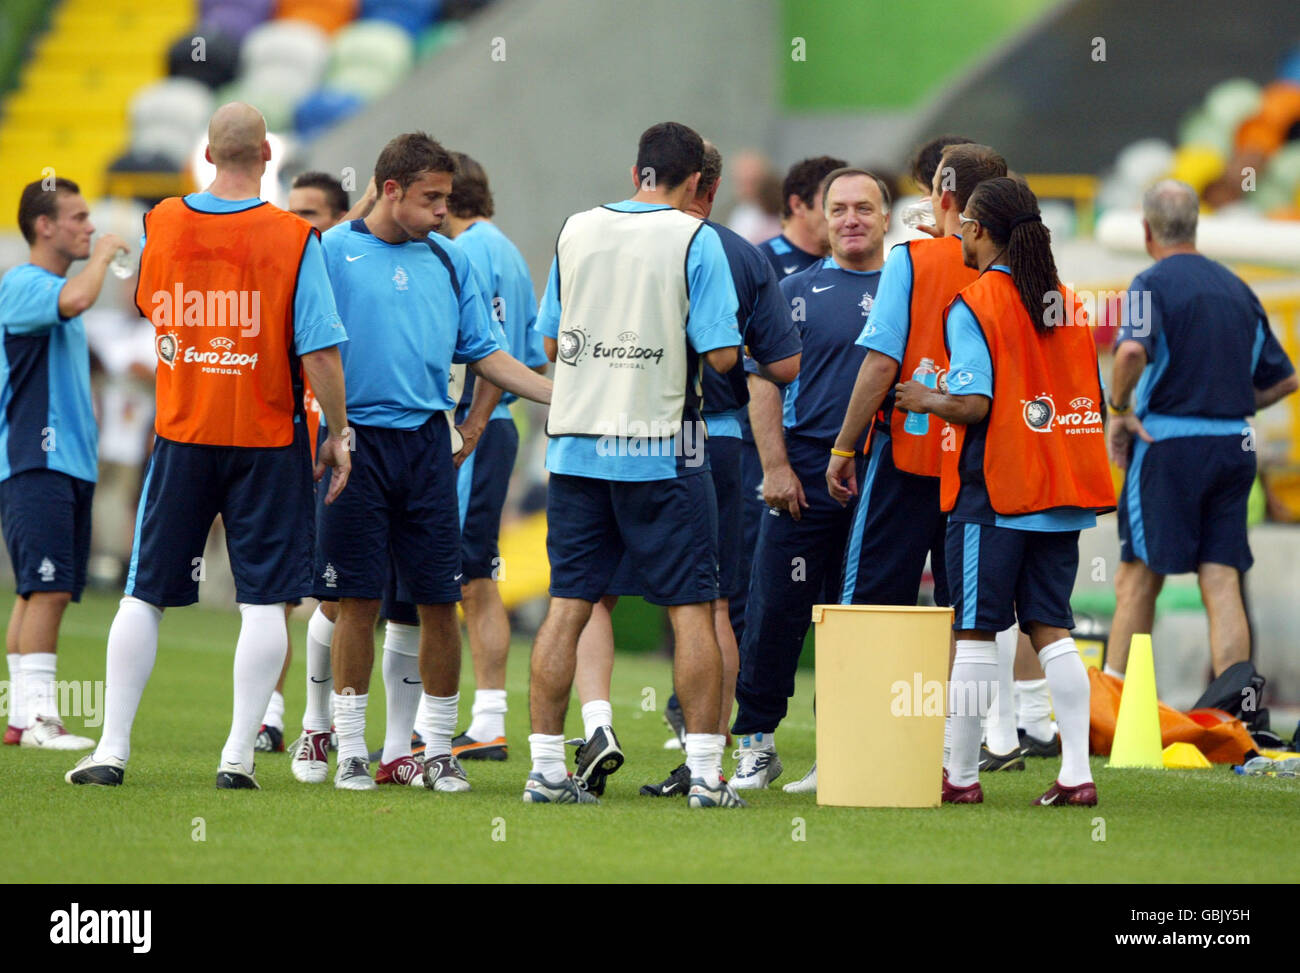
x=1040 y=413
x=570 y=345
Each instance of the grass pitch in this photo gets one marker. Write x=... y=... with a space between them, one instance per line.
x=1158 y=826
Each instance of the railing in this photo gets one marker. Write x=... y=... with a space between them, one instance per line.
x=1078 y=189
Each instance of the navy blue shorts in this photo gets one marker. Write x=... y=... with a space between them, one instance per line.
x=264 y=497
x=481 y=485
x=752 y=509
x=45 y=516
x=724 y=465
x=1000 y=576
x=668 y=529
x=1184 y=504
x=399 y=506
x=897 y=523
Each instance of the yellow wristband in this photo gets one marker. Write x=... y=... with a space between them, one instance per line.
x=841 y=452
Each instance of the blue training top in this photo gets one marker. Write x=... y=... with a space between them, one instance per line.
x=413 y=309
x=765 y=327
x=508 y=289
x=829 y=305
x=1208 y=345
x=47 y=420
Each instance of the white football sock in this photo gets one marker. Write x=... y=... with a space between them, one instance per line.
x=1071 y=695
x=947 y=739
x=1001 y=724
x=402 y=687
x=704 y=756
x=350 y=722
x=595 y=714
x=275 y=712
x=489 y=715
x=320 y=679
x=974 y=674
x=1111 y=671
x=259 y=657
x=132 y=648
x=548 y=756
x=38 y=684
x=757 y=741
x=1035 y=713
x=17 y=695
x=439 y=715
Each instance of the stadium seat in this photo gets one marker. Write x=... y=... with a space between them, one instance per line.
x=1232 y=102
x=1279 y=182
x=328 y=15
x=290 y=46
x=411 y=15
x=1141 y=163
x=437 y=37
x=275 y=105
x=1202 y=129
x=366 y=81
x=146 y=177
x=235 y=17
x=279 y=84
x=323 y=108
x=1198 y=164
x=165 y=140
x=178 y=103
x=373 y=45
x=219 y=62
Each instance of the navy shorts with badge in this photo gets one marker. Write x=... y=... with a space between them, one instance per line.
x=264 y=498
x=724 y=466
x=1184 y=503
x=1001 y=575
x=400 y=503
x=667 y=528
x=45 y=516
x=898 y=521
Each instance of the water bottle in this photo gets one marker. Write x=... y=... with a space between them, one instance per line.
x=1261 y=766
x=918 y=423
x=121 y=266
x=919 y=214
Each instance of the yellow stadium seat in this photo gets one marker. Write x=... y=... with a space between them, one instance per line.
x=69 y=111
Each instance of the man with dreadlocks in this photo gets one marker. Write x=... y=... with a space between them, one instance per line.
x=1027 y=473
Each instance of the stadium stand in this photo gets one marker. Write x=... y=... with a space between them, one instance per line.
x=69 y=110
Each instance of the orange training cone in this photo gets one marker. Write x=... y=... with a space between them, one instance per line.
x=1137 y=728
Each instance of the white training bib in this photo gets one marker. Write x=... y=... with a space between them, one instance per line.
x=621 y=367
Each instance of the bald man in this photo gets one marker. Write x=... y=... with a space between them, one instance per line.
x=242 y=308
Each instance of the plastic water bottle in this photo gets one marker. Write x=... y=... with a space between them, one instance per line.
x=1264 y=766
x=919 y=214
x=918 y=423
x=120 y=265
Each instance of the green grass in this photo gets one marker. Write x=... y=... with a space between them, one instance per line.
x=1159 y=826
